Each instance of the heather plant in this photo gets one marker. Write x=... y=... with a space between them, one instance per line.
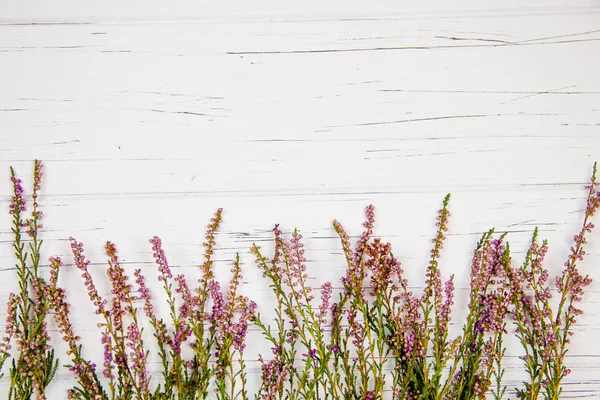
x=478 y=358
x=34 y=365
x=299 y=327
x=545 y=332
x=90 y=386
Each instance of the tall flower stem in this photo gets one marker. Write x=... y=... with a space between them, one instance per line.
x=35 y=365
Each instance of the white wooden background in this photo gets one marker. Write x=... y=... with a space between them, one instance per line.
x=150 y=115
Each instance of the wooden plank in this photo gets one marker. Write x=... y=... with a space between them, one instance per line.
x=149 y=119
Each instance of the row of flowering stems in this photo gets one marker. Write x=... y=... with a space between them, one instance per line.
x=375 y=339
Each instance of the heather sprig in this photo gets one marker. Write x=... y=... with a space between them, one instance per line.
x=84 y=370
x=355 y=358
x=34 y=365
x=433 y=300
x=217 y=322
x=172 y=374
x=479 y=353
x=383 y=325
x=124 y=353
x=231 y=336
x=9 y=330
x=279 y=373
x=300 y=327
x=544 y=332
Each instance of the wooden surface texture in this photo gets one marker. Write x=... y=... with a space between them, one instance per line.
x=151 y=115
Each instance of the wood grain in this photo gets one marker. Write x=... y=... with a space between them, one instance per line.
x=150 y=117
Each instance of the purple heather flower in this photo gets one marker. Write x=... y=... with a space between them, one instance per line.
x=433 y=282
x=409 y=346
x=241 y=328
x=33 y=225
x=209 y=245
x=384 y=268
x=277 y=253
x=292 y=335
x=218 y=309
x=116 y=274
x=446 y=306
x=161 y=259
x=38 y=173
x=219 y=317
x=346 y=246
x=355 y=274
x=17 y=202
x=325 y=298
x=137 y=355
x=353 y=280
x=179 y=338
x=144 y=294
x=11 y=315
x=356 y=329
x=121 y=289
x=61 y=316
x=55 y=264
x=295 y=273
x=336 y=314
x=11 y=324
x=488 y=270
x=366 y=235
x=159 y=326
x=108 y=357
x=403 y=324
x=84 y=370
x=312 y=353
x=274 y=374
x=189 y=302
x=82 y=264
x=571 y=280
x=232 y=304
